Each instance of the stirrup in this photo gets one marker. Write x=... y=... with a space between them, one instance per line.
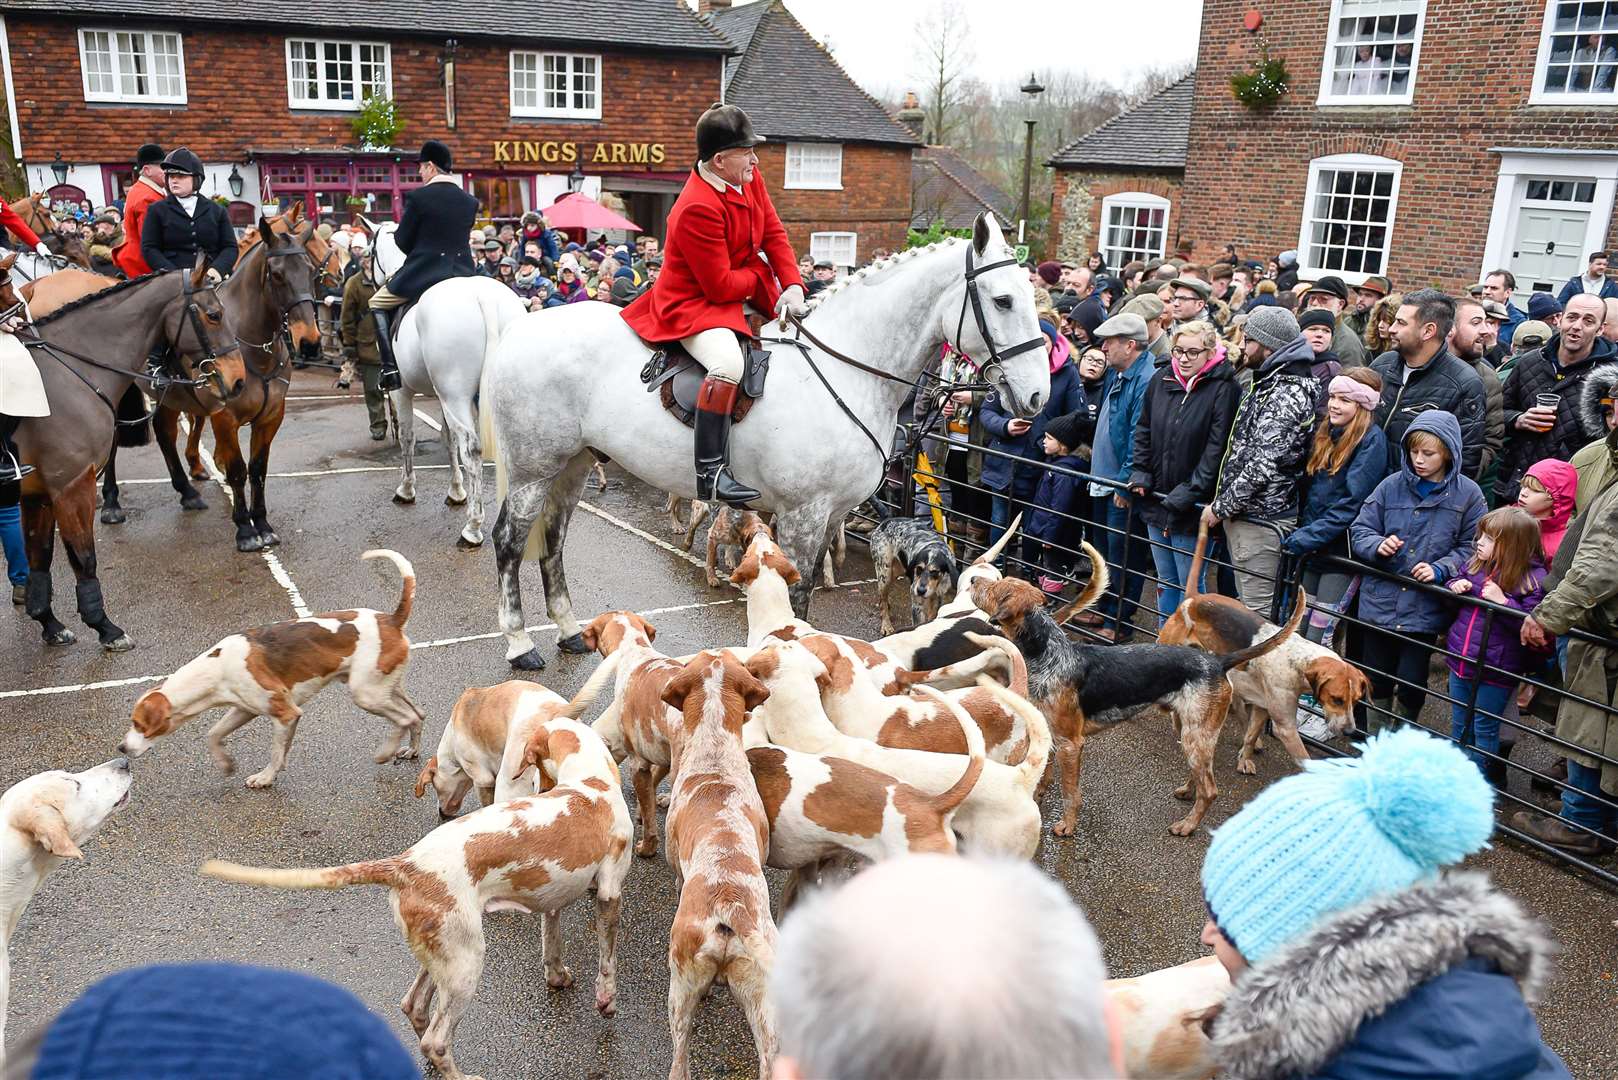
x=11 y=469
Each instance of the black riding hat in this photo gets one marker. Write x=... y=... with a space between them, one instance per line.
x=183 y=161
x=724 y=127
x=436 y=153
x=149 y=154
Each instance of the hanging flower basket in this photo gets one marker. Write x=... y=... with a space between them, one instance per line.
x=1262 y=86
x=377 y=124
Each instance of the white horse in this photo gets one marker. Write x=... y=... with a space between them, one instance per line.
x=31 y=265
x=441 y=346
x=565 y=382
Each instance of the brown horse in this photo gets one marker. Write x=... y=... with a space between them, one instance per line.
x=89 y=353
x=34 y=214
x=270 y=297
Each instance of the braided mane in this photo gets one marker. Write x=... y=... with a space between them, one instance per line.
x=110 y=290
x=864 y=273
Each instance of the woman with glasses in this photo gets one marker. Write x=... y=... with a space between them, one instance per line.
x=1179 y=441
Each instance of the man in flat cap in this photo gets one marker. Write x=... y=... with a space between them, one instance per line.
x=712 y=266
x=438 y=216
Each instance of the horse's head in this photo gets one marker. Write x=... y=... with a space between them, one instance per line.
x=999 y=327
x=386 y=258
x=289 y=281
x=199 y=329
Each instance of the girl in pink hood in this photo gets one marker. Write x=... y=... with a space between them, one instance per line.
x=1547 y=493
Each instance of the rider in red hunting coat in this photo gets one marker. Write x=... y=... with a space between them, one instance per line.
x=712 y=265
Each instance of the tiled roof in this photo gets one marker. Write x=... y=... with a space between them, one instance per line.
x=790 y=86
x=1152 y=135
x=646 y=24
x=944 y=188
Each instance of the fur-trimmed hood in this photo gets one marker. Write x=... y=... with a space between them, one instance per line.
x=1602 y=382
x=1294 y=1014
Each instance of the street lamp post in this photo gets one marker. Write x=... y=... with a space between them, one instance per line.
x=1033 y=89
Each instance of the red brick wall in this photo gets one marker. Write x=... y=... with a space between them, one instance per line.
x=1076 y=196
x=1247 y=172
x=237 y=89
x=874 y=201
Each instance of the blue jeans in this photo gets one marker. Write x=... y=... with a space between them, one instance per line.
x=11 y=538
x=1485 y=728
x=1580 y=803
x=1173 y=568
x=1127 y=586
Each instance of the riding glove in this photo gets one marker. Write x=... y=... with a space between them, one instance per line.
x=791 y=302
x=41 y=249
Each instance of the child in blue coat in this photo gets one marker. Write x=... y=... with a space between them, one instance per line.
x=1054 y=519
x=1420 y=523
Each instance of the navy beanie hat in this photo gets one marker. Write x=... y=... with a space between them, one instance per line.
x=207 y=1021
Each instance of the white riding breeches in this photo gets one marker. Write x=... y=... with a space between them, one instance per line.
x=718 y=350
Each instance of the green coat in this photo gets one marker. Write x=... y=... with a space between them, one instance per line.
x=359 y=330
x=1587 y=597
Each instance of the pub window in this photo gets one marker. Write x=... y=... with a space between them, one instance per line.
x=1371 y=51
x=336 y=74
x=1134 y=226
x=1348 y=216
x=838 y=248
x=556 y=84
x=1578 y=54
x=814 y=166
x=132 y=65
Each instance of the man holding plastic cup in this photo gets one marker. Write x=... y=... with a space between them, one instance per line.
x=1541 y=395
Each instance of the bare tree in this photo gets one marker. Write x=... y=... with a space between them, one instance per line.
x=943 y=55
x=1155 y=79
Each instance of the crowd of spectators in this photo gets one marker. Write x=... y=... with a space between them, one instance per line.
x=1424 y=437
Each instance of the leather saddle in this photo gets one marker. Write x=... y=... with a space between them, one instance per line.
x=676 y=377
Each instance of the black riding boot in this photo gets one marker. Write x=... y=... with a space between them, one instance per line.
x=389 y=379
x=11 y=467
x=714 y=402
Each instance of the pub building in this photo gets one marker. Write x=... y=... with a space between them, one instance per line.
x=536 y=98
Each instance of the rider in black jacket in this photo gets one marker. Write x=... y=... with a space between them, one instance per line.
x=186 y=222
x=432 y=234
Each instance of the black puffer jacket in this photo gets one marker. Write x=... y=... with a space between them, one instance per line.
x=1538 y=372
x=1444 y=382
x=1179 y=441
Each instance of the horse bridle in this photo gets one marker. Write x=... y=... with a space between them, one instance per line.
x=997 y=358
x=208 y=367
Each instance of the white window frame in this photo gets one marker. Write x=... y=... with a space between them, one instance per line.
x=540 y=108
x=794 y=178
x=118 y=73
x=1328 y=70
x=1539 y=95
x=828 y=252
x=325 y=104
x=1135 y=200
x=1338 y=163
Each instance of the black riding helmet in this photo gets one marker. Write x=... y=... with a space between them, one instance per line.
x=183 y=161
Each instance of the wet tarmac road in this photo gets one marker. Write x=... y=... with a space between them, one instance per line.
x=176 y=583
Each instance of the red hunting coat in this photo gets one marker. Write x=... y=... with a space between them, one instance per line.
x=711 y=263
x=137 y=201
x=14 y=223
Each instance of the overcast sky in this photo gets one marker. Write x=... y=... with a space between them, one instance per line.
x=875 y=40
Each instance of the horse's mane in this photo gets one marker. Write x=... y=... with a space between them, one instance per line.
x=110 y=290
x=865 y=273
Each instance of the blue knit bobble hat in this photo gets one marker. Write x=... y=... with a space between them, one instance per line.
x=1340 y=833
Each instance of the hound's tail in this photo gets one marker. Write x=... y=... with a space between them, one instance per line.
x=1007 y=648
x=591 y=689
x=947 y=801
x=1195 y=574
x=1253 y=652
x=372 y=872
x=407 y=585
x=993 y=552
x=1099 y=580
x=1033 y=764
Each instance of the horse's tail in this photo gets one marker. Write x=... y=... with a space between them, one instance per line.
x=485 y=417
x=134 y=422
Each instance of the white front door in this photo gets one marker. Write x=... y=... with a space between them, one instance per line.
x=1548 y=249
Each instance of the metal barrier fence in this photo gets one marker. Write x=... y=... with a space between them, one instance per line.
x=1130 y=551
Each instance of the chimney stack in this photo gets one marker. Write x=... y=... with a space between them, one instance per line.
x=705 y=7
x=911 y=115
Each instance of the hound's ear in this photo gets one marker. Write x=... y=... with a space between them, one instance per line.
x=199 y=272
x=754 y=693
x=539 y=748
x=746 y=571
x=591 y=639
x=46 y=825
x=651 y=631
x=428 y=772
x=680 y=688
x=151 y=715
x=6 y=263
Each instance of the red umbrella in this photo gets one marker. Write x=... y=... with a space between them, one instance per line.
x=578 y=211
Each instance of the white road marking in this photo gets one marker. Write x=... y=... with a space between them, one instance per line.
x=642 y=533
x=304 y=473
x=277 y=571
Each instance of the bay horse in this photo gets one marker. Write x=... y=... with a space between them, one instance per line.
x=565 y=382
x=67 y=251
x=270 y=299
x=89 y=353
x=441 y=346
